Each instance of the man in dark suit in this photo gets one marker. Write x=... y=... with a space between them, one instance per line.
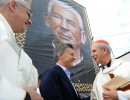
x=63 y=24
x=66 y=26
x=55 y=82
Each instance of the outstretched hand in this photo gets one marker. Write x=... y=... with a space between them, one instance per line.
x=33 y=93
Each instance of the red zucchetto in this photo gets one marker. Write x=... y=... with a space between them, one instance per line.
x=102 y=41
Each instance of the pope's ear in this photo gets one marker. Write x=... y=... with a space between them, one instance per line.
x=12 y=5
x=83 y=37
x=47 y=20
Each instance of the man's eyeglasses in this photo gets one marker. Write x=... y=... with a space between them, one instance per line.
x=29 y=12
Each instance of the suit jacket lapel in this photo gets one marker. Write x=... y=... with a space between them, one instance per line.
x=64 y=76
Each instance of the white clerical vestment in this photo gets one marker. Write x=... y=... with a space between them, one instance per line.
x=16 y=69
x=117 y=67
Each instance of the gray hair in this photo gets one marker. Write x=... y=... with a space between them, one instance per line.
x=65 y=6
x=61 y=47
x=5 y=2
x=102 y=46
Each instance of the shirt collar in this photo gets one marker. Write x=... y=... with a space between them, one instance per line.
x=105 y=66
x=6 y=24
x=108 y=65
x=65 y=70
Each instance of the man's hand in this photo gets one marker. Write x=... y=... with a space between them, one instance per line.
x=33 y=94
x=110 y=94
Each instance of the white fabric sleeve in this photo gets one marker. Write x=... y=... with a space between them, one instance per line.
x=122 y=95
x=92 y=96
x=10 y=92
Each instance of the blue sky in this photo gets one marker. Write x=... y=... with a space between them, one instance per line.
x=110 y=20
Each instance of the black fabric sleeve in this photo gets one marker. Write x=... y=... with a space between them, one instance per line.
x=27 y=96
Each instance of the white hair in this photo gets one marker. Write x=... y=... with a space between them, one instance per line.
x=102 y=45
x=65 y=6
x=5 y=2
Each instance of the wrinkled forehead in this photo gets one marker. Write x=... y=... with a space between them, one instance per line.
x=64 y=11
x=66 y=8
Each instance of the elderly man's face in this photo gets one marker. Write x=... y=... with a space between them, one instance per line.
x=65 y=26
x=97 y=54
x=21 y=16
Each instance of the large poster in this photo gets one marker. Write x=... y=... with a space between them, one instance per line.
x=56 y=21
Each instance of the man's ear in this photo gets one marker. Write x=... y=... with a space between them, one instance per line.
x=105 y=50
x=83 y=37
x=47 y=20
x=60 y=54
x=12 y=5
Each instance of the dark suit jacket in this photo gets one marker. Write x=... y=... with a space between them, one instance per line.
x=41 y=53
x=55 y=85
